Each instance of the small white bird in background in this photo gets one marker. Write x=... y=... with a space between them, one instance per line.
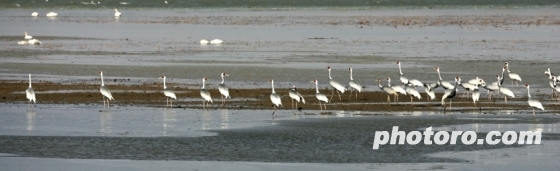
x=27 y=37
x=165 y=2
x=51 y=14
x=23 y=42
x=532 y=102
x=34 y=42
x=30 y=94
x=275 y=98
x=354 y=85
x=169 y=94
x=320 y=96
x=216 y=41
x=34 y=14
x=117 y=13
x=105 y=92
x=204 y=42
x=205 y=94
x=224 y=89
x=513 y=76
x=295 y=95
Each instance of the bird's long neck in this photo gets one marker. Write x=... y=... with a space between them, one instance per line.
x=528 y=93
x=330 y=74
x=272 y=87
x=351 y=75
x=29 y=80
x=380 y=86
x=102 y=84
x=439 y=75
x=203 y=83
x=317 y=87
x=400 y=69
x=455 y=86
x=388 y=82
x=164 y=87
x=223 y=79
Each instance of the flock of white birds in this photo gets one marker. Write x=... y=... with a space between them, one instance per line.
x=29 y=40
x=407 y=87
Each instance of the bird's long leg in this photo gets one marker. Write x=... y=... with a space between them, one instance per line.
x=293 y=104
x=340 y=98
x=350 y=97
x=332 y=94
x=108 y=103
x=202 y=104
x=274 y=110
x=325 y=106
x=103 y=102
x=505 y=97
x=296 y=105
x=320 y=107
x=388 y=100
x=356 y=95
x=533 y=112
x=171 y=102
x=450 y=102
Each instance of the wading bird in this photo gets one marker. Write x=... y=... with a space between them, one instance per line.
x=169 y=94
x=402 y=77
x=444 y=84
x=28 y=37
x=51 y=14
x=117 y=13
x=205 y=94
x=105 y=92
x=506 y=91
x=354 y=85
x=430 y=94
x=216 y=41
x=532 y=102
x=410 y=90
x=388 y=90
x=34 y=14
x=275 y=98
x=450 y=93
x=224 y=89
x=320 y=96
x=295 y=95
x=397 y=88
x=339 y=88
x=204 y=42
x=30 y=94
x=491 y=87
x=476 y=92
x=513 y=76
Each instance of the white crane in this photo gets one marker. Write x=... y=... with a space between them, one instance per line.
x=339 y=88
x=444 y=84
x=476 y=92
x=205 y=94
x=295 y=95
x=402 y=77
x=556 y=87
x=30 y=94
x=450 y=93
x=105 y=92
x=533 y=102
x=491 y=87
x=34 y=14
x=430 y=93
x=354 y=85
x=169 y=94
x=551 y=82
x=51 y=14
x=396 y=88
x=275 y=98
x=513 y=76
x=320 y=96
x=216 y=41
x=27 y=37
x=224 y=89
x=547 y=72
x=117 y=13
x=204 y=42
x=388 y=90
x=506 y=91
x=410 y=90
x=467 y=87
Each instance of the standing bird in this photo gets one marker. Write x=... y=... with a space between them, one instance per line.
x=444 y=84
x=396 y=88
x=491 y=87
x=467 y=86
x=410 y=90
x=402 y=77
x=320 y=96
x=30 y=94
x=169 y=94
x=476 y=92
x=513 y=76
x=388 y=90
x=28 y=37
x=117 y=13
x=105 y=92
x=34 y=14
x=205 y=94
x=275 y=98
x=354 y=85
x=339 y=88
x=224 y=89
x=216 y=41
x=204 y=41
x=506 y=91
x=533 y=102
x=450 y=93
x=556 y=87
x=551 y=82
x=295 y=95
